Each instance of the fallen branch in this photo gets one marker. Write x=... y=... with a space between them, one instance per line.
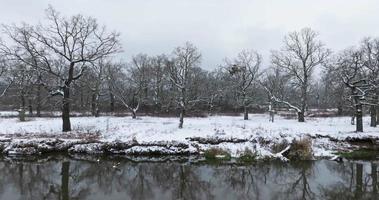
x=280 y=154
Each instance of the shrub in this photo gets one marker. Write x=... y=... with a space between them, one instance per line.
x=301 y=149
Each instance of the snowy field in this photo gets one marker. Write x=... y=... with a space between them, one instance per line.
x=256 y=134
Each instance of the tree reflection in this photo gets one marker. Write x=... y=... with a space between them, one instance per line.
x=30 y=181
x=71 y=179
x=246 y=182
x=293 y=181
x=358 y=182
x=65 y=180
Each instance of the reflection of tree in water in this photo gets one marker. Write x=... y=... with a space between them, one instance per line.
x=356 y=182
x=275 y=180
x=29 y=179
x=52 y=179
x=140 y=184
x=182 y=180
x=139 y=180
x=190 y=184
x=77 y=179
x=293 y=180
x=246 y=182
x=88 y=176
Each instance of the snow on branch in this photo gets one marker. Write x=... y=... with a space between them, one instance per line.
x=274 y=98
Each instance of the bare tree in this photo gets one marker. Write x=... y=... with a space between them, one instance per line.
x=23 y=77
x=334 y=90
x=95 y=80
x=185 y=59
x=130 y=83
x=370 y=56
x=63 y=47
x=301 y=54
x=275 y=83
x=244 y=71
x=350 y=65
x=212 y=90
x=5 y=67
x=158 y=80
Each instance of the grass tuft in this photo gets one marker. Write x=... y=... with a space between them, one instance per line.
x=247 y=156
x=364 y=154
x=215 y=153
x=301 y=149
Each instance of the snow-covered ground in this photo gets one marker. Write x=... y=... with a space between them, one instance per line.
x=257 y=133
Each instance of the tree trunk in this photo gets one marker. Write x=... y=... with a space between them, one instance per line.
x=65 y=180
x=271 y=112
x=181 y=120
x=111 y=104
x=304 y=96
x=82 y=102
x=23 y=101
x=38 y=107
x=339 y=110
x=210 y=110
x=359 y=116
x=134 y=114
x=94 y=108
x=373 y=109
x=21 y=112
x=183 y=107
x=245 y=110
x=30 y=106
x=373 y=115
x=246 y=113
x=66 y=126
x=66 y=110
x=300 y=116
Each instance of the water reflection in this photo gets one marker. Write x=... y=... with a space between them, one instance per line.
x=72 y=179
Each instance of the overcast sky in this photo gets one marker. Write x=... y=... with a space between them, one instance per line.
x=219 y=28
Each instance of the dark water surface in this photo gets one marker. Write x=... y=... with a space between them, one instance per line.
x=72 y=178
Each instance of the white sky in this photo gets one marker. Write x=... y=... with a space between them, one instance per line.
x=219 y=28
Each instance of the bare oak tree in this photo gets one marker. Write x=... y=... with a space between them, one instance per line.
x=6 y=80
x=129 y=84
x=244 y=72
x=95 y=80
x=63 y=47
x=301 y=54
x=353 y=74
x=275 y=84
x=185 y=59
x=370 y=56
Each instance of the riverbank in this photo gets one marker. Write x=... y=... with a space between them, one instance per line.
x=225 y=135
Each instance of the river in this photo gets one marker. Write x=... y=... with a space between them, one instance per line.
x=75 y=177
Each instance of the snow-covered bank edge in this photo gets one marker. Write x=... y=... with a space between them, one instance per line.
x=321 y=146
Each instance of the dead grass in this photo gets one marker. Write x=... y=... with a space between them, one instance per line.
x=278 y=147
x=301 y=149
